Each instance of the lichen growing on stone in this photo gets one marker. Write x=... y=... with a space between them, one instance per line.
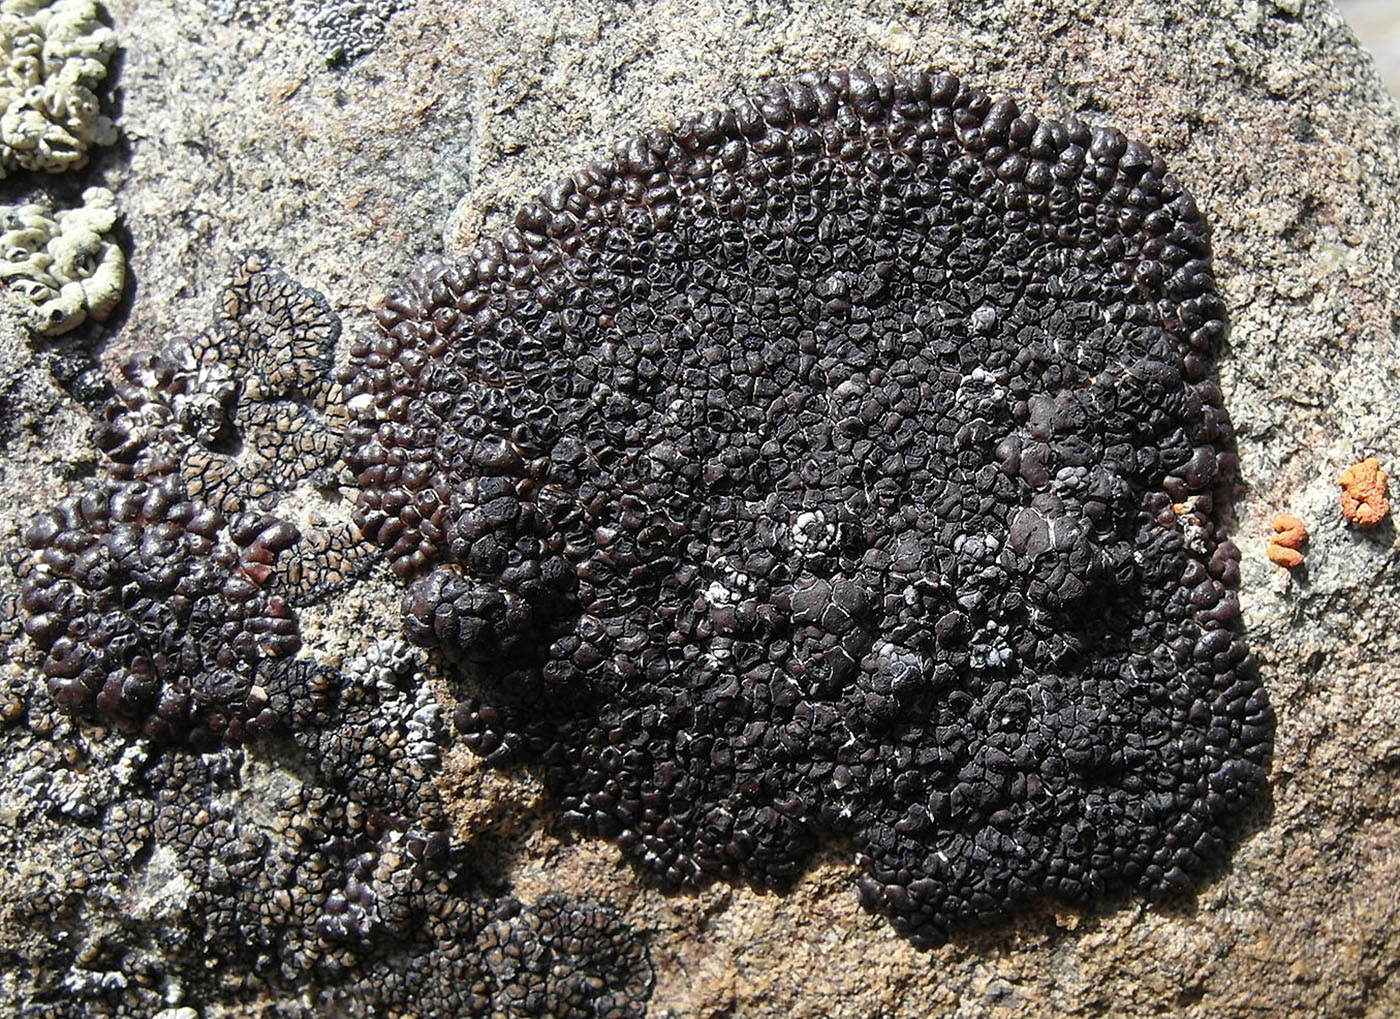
x=63 y=265
x=153 y=612
x=248 y=822
x=345 y=30
x=1286 y=543
x=163 y=597
x=1365 y=493
x=56 y=54
x=243 y=415
x=608 y=975
x=815 y=465
x=314 y=865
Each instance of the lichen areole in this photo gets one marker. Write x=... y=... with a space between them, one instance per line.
x=818 y=465
x=152 y=611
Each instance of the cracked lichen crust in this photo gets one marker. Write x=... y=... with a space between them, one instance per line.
x=56 y=54
x=244 y=414
x=608 y=971
x=164 y=596
x=842 y=460
x=304 y=852
x=63 y=266
x=345 y=30
x=315 y=865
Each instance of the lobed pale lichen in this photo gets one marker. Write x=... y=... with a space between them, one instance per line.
x=63 y=266
x=55 y=54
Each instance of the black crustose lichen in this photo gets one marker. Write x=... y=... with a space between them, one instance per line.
x=303 y=855
x=164 y=596
x=153 y=613
x=845 y=459
x=341 y=892
x=242 y=413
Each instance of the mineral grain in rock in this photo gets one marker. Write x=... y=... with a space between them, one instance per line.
x=843 y=460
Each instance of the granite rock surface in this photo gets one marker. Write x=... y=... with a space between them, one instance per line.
x=236 y=135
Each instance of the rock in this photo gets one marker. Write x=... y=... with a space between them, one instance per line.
x=237 y=135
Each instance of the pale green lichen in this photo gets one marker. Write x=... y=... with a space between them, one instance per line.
x=61 y=266
x=55 y=55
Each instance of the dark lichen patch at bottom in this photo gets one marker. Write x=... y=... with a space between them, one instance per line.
x=316 y=870
x=843 y=460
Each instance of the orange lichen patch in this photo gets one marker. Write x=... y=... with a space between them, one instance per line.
x=1365 y=500
x=1285 y=556
x=1290 y=532
x=1285 y=545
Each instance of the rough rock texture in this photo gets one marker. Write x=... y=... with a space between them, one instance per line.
x=240 y=137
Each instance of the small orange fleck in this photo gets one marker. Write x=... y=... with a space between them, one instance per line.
x=1365 y=499
x=1284 y=546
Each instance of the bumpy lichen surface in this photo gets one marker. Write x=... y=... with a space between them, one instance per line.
x=164 y=596
x=1365 y=493
x=63 y=265
x=244 y=414
x=152 y=610
x=337 y=887
x=56 y=54
x=345 y=30
x=843 y=460
x=248 y=828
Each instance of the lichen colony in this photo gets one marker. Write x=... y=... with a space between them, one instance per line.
x=845 y=460
x=247 y=824
x=843 y=463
